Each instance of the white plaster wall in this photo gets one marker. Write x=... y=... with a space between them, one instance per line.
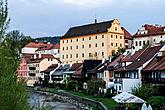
x=129 y=84
x=28 y=50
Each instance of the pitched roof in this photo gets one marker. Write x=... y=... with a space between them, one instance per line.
x=42 y=46
x=50 y=68
x=127 y=35
x=75 y=66
x=152 y=30
x=141 y=59
x=156 y=64
x=88 y=29
x=43 y=56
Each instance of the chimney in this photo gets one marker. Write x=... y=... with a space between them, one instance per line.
x=39 y=55
x=35 y=56
x=95 y=21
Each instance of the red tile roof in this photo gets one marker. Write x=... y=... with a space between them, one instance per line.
x=143 y=57
x=156 y=65
x=42 y=46
x=43 y=56
x=152 y=30
x=127 y=35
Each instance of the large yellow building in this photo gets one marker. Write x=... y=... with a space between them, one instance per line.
x=92 y=41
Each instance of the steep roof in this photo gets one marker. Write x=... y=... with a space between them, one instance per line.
x=152 y=30
x=127 y=35
x=141 y=59
x=43 y=56
x=88 y=29
x=50 y=68
x=157 y=64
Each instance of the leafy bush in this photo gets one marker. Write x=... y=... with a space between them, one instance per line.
x=157 y=102
x=145 y=91
x=94 y=84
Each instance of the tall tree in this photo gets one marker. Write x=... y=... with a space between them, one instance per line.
x=4 y=20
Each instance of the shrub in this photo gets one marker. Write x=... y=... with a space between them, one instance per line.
x=157 y=102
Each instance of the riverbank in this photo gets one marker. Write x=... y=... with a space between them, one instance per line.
x=95 y=102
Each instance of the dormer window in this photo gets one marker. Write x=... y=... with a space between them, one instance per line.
x=115 y=28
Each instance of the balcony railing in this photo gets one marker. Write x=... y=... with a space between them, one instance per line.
x=154 y=81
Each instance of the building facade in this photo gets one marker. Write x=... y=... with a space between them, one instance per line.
x=148 y=35
x=92 y=41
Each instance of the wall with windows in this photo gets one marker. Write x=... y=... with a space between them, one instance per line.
x=140 y=42
x=95 y=46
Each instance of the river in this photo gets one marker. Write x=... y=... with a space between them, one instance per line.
x=39 y=100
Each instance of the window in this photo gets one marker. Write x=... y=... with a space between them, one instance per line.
x=70 y=47
x=89 y=45
x=48 y=59
x=102 y=53
x=70 y=55
x=95 y=54
x=95 y=37
x=136 y=43
x=144 y=42
x=63 y=56
x=120 y=37
x=120 y=44
x=140 y=43
x=148 y=42
x=115 y=28
x=126 y=41
x=77 y=47
x=82 y=39
x=96 y=45
x=111 y=44
x=90 y=54
x=82 y=54
x=66 y=48
x=111 y=36
x=116 y=36
x=51 y=59
x=116 y=44
x=62 y=48
x=71 y=40
x=82 y=46
x=76 y=55
x=67 y=41
x=89 y=38
x=102 y=36
x=66 y=56
x=63 y=41
x=102 y=44
x=154 y=40
x=77 y=40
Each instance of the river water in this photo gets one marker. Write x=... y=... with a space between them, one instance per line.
x=39 y=100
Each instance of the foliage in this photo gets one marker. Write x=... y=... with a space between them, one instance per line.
x=71 y=85
x=94 y=84
x=4 y=20
x=157 y=102
x=145 y=91
x=12 y=93
x=16 y=40
x=52 y=40
x=146 y=45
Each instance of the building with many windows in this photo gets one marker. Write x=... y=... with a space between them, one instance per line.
x=148 y=35
x=92 y=41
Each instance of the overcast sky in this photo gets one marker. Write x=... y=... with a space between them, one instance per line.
x=39 y=18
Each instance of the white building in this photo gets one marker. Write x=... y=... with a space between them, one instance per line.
x=41 y=48
x=148 y=35
x=128 y=75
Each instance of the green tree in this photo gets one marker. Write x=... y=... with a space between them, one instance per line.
x=4 y=20
x=145 y=91
x=157 y=102
x=16 y=40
